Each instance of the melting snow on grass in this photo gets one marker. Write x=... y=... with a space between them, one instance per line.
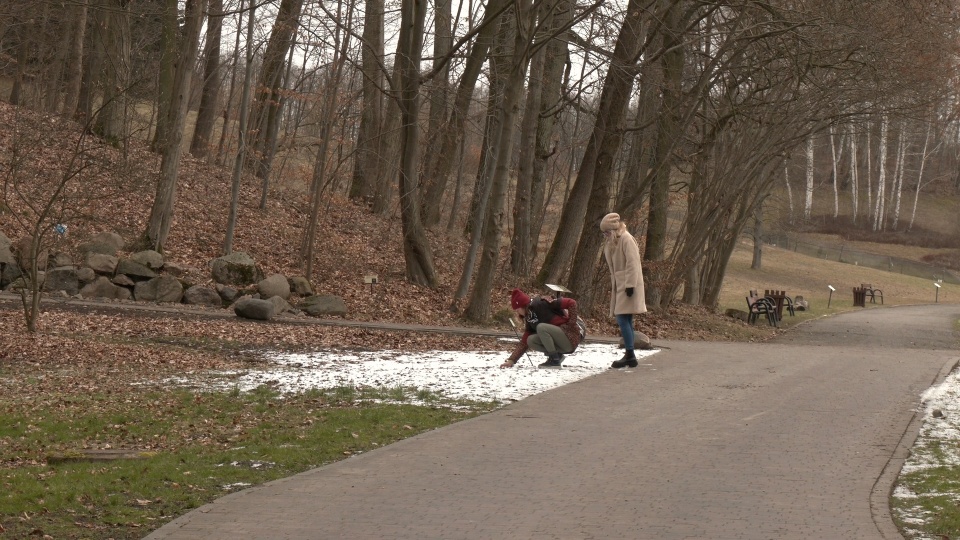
x=467 y=375
x=935 y=450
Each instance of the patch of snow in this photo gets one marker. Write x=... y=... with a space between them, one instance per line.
x=469 y=375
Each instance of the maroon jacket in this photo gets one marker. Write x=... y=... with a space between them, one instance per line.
x=558 y=312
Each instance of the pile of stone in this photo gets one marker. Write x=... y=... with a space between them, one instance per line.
x=105 y=271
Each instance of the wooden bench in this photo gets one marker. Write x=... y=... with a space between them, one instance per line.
x=782 y=301
x=758 y=305
x=871 y=293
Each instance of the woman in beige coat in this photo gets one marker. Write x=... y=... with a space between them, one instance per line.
x=626 y=280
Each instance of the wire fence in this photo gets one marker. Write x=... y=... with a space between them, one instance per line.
x=861 y=258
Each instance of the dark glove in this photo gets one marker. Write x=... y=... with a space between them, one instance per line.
x=629 y=291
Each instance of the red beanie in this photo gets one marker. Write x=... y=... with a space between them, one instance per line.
x=518 y=299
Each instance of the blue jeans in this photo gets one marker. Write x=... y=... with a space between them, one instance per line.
x=625 y=322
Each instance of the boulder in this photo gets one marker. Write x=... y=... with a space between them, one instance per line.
x=102 y=263
x=123 y=280
x=280 y=305
x=21 y=282
x=275 y=285
x=300 y=286
x=227 y=293
x=107 y=243
x=135 y=270
x=60 y=260
x=21 y=252
x=179 y=270
x=327 y=304
x=63 y=279
x=9 y=273
x=236 y=268
x=6 y=255
x=102 y=288
x=253 y=308
x=86 y=275
x=737 y=314
x=159 y=289
x=202 y=296
x=149 y=258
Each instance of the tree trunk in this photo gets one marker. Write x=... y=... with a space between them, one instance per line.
x=327 y=119
x=499 y=73
x=225 y=130
x=757 y=262
x=209 y=102
x=242 y=130
x=923 y=161
x=169 y=50
x=836 y=180
x=161 y=214
x=668 y=131
x=556 y=57
x=808 y=201
x=74 y=74
x=614 y=97
x=520 y=244
x=269 y=148
x=266 y=108
x=854 y=178
x=786 y=180
x=59 y=24
x=110 y=122
x=416 y=248
x=366 y=161
x=882 y=179
x=439 y=95
x=439 y=166
x=92 y=78
x=478 y=309
x=869 y=164
x=898 y=178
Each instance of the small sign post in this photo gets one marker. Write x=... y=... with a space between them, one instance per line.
x=830 y=298
x=936 y=299
x=371 y=279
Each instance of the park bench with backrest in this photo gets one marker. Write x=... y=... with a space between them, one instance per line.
x=759 y=305
x=871 y=293
x=781 y=301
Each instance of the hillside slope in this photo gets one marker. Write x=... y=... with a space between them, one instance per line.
x=352 y=242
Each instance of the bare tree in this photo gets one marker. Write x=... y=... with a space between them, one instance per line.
x=161 y=213
x=882 y=179
x=209 y=102
x=267 y=97
x=366 y=164
x=240 y=158
x=603 y=143
x=114 y=22
x=478 y=307
x=50 y=174
x=416 y=249
x=75 y=60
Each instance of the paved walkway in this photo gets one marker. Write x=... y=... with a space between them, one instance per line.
x=797 y=439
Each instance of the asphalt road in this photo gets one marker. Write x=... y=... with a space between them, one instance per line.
x=800 y=438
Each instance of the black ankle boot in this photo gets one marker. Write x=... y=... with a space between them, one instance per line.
x=629 y=360
x=553 y=361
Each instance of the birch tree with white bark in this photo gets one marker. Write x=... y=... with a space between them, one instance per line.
x=882 y=178
x=808 y=202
